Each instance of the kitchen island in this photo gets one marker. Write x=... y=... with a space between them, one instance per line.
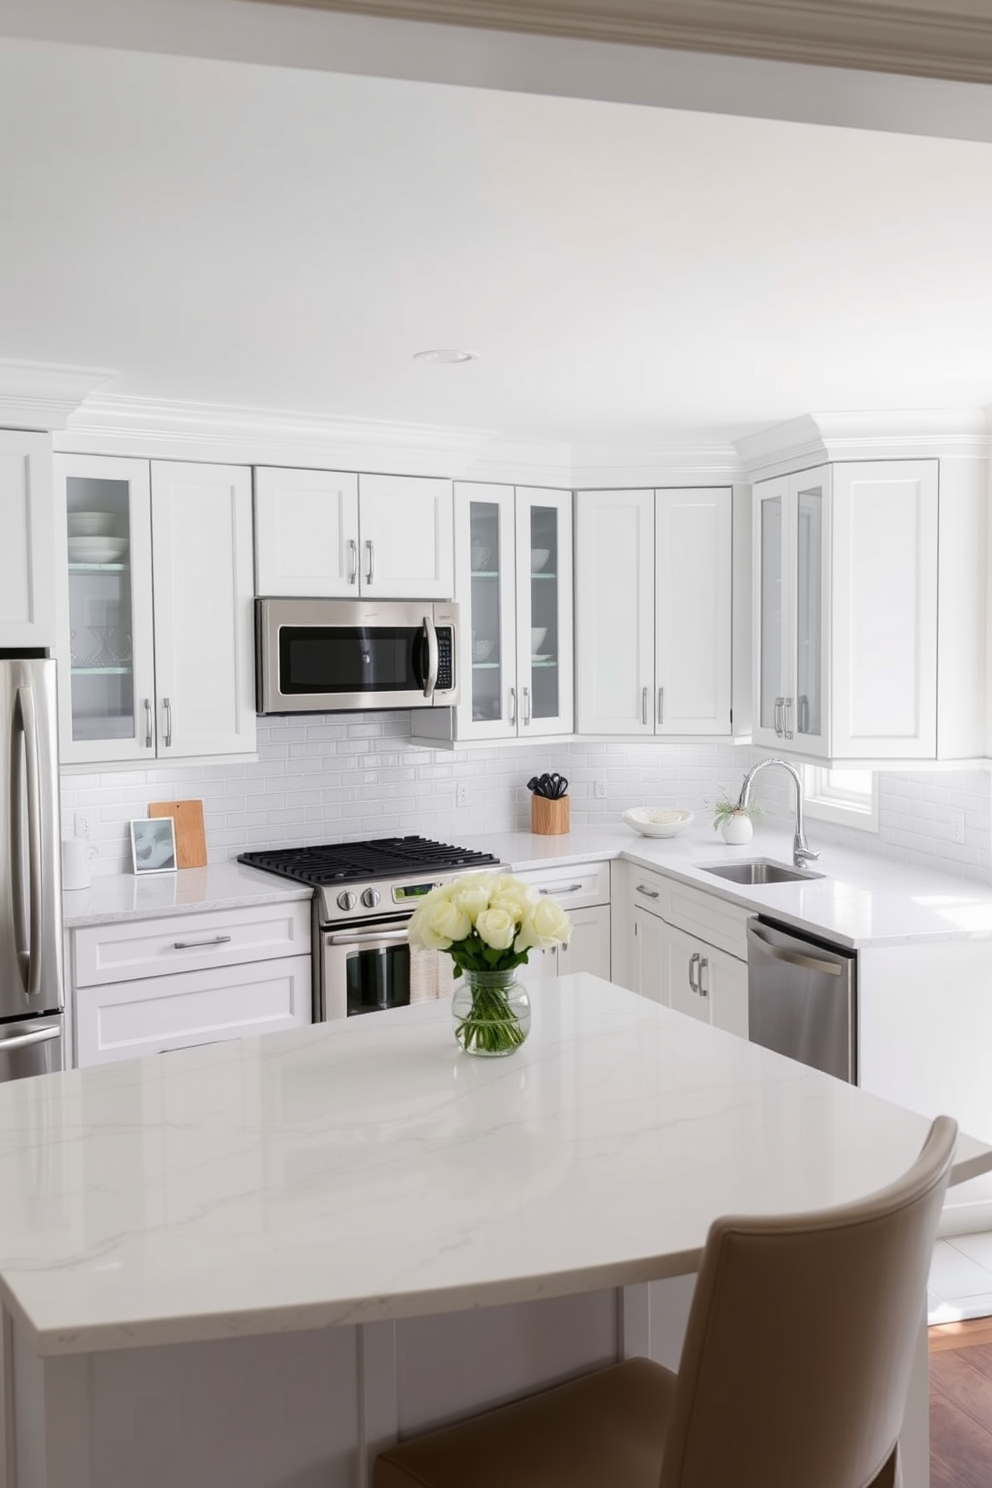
x=255 y=1262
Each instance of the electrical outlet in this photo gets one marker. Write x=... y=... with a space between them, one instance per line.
x=83 y=824
x=461 y=793
x=957 y=826
x=599 y=790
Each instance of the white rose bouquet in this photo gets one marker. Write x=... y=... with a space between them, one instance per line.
x=488 y=923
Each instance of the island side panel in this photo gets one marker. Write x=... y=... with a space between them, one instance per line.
x=924 y=1029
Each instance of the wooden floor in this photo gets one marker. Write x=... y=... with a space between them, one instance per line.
x=961 y=1405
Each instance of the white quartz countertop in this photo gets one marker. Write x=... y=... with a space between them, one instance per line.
x=367 y=1169
x=858 y=900
x=125 y=896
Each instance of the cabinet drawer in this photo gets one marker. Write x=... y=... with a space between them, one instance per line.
x=129 y=949
x=128 y=1019
x=649 y=890
x=572 y=887
x=708 y=918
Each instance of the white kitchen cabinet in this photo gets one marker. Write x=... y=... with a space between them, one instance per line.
x=869 y=596
x=654 y=617
x=689 y=950
x=157 y=630
x=336 y=534
x=583 y=891
x=145 y=986
x=27 y=570
x=513 y=582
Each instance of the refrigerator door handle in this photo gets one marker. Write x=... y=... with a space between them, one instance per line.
x=31 y=967
x=22 y=1040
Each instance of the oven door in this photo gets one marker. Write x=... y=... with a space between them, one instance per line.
x=371 y=968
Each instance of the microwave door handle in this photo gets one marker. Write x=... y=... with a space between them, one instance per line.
x=430 y=639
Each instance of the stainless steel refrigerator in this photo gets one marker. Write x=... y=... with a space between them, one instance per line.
x=31 y=995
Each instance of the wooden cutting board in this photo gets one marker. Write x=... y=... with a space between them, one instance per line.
x=191 y=843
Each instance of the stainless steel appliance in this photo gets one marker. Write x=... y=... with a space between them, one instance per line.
x=802 y=998
x=340 y=655
x=31 y=1001
x=364 y=895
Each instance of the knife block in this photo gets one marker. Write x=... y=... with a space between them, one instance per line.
x=549 y=818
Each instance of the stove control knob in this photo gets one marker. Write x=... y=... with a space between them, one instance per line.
x=347 y=900
x=370 y=898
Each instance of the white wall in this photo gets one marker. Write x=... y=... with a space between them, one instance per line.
x=324 y=779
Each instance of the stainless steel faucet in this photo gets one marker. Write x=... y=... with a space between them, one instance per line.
x=801 y=853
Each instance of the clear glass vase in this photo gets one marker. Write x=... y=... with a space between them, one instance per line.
x=491 y=1010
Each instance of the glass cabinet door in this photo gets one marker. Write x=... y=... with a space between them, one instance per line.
x=772 y=604
x=109 y=610
x=484 y=546
x=806 y=718
x=544 y=620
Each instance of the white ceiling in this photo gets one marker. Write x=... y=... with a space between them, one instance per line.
x=284 y=239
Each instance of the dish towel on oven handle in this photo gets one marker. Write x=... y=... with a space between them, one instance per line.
x=430 y=975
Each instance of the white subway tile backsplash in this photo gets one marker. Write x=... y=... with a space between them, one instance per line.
x=331 y=779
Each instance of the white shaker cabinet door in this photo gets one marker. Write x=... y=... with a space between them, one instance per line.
x=306 y=533
x=406 y=532
x=589 y=946
x=27 y=540
x=650 y=956
x=693 y=589
x=614 y=612
x=202 y=567
x=884 y=588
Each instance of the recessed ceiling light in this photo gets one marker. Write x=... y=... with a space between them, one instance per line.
x=444 y=354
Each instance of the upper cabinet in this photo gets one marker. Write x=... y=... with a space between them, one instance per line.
x=655 y=615
x=27 y=573
x=340 y=535
x=869 y=606
x=156 y=612
x=513 y=561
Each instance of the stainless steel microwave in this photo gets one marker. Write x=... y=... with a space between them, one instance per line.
x=341 y=655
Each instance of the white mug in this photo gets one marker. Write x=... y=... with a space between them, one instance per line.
x=77 y=857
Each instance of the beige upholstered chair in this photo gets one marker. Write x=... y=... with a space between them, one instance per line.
x=794 y=1371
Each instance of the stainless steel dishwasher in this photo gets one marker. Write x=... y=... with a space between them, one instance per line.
x=802 y=998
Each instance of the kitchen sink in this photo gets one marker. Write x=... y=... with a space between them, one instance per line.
x=760 y=871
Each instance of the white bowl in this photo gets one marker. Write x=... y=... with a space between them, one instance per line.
x=657 y=821
x=482 y=558
x=482 y=648
x=538 y=558
x=92 y=523
x=537 y=639
x=97 y=549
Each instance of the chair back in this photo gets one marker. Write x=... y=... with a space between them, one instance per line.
x=801 y=1338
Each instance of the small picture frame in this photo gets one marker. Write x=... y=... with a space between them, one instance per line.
x=153 y=845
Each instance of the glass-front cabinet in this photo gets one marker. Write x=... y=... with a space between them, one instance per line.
x=109 y=608
x=792 y=515
x=513 y=559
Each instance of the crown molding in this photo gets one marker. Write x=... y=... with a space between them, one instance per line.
x=605 y=467
x=43 y=395
x=815 y=438
x=115 y=424
x=925 y=39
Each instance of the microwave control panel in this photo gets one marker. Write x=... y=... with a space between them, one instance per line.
x=445 y=660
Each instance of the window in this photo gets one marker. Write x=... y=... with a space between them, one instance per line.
x=848 y=797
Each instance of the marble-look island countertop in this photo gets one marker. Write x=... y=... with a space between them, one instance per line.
x=367 y=1169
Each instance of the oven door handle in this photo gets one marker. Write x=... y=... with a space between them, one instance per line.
x=370 y=940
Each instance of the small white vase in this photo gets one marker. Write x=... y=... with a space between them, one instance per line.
x=736 y=830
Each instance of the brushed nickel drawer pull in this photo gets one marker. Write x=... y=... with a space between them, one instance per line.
x=189 y=945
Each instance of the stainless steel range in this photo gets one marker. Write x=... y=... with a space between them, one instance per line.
x=364 y=895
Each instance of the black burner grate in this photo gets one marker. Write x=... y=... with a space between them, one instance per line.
x=385 y=857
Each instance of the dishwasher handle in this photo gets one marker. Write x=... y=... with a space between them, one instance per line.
x=794 y=958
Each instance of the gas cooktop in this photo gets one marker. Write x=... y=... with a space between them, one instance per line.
x=351 y=862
